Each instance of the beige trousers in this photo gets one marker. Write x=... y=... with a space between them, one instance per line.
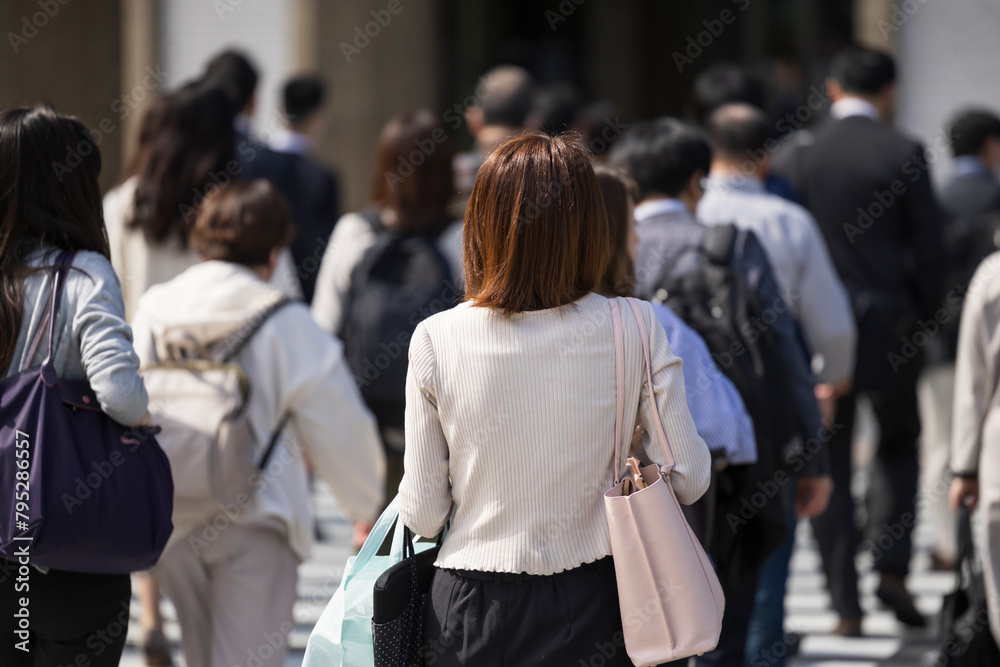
x=234 y=597
x=935 y=393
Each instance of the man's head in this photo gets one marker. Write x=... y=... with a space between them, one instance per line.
x=237 y=76
x=976 y=132
x=303 y=98
x=507 y=101
x=725 y=83
x=865 y=73
x=738 y=133
x=666 y=158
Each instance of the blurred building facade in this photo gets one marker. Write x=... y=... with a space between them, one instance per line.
x=101 y=59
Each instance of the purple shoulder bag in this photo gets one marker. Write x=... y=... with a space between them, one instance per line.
x=78 y=491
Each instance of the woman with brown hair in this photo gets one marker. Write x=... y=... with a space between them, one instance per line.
x=406 y=231
x=510 y=420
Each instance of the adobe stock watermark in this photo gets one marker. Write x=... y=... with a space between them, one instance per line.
x=898 y=17
x=30 y=25
x=884 y=200
x=121 y=108
x=562 y=13
x=912 y=344
x=714 y=28
x=381 y=18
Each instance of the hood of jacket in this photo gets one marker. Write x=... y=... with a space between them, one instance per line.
x=206 y=303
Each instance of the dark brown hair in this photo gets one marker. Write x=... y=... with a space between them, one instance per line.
x=242 y=223
x=49 y=165
x=616 y=188
x=536 y=233
x=413 y=172
x=191 y=148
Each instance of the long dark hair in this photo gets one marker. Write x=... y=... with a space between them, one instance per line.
x=193 y=142
x=49 y=195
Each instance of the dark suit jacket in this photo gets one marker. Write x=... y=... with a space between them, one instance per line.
x=970 y=195
x=973 y=203
x=313 y=195
x=869 y=189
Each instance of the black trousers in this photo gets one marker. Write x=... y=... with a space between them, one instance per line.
x=891 y=496
x=571 y=618
x=73 y=618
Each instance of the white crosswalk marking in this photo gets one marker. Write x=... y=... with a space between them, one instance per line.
x=886 y=642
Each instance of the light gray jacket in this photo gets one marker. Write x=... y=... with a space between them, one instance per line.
x=92 y=340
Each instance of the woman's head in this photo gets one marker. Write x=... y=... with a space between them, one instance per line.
x=191 y=149
x=49 y=195
x=245 y=222
x=620 y=193
x=536 y=232
x=413 y=174
x=49 y=166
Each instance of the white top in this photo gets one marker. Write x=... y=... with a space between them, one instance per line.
x=294 y=367
x=140 y=264
x=510 y=421
x=801 y=264
x=976 y=422
x=352 y=236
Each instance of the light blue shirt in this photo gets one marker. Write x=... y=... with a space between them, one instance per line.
x=715 y=404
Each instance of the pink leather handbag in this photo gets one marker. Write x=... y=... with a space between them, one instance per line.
x=671 y=600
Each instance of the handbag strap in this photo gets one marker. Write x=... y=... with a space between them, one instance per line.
x=616 y=321
x=59 y=272
x=661 y=434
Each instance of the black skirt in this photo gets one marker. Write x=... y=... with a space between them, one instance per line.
x=486 y=619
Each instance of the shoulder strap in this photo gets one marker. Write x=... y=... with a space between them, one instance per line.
x=64 y=261
x=661 y=434
x=374 y=218
x=719 y=243
x=233 y=344
x=273 y=442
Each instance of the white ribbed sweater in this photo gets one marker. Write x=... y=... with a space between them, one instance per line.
x=511 y=421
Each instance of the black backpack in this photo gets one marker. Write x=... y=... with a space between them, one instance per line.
x=716 y=301
x=399 y=282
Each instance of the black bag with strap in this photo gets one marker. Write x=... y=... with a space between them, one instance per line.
x=966 y=639
x=715 y=300
x=400 y=281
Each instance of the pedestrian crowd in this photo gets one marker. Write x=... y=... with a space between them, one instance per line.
x=456 y=346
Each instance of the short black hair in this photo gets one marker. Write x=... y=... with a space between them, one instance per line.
x=662 y=155
x=738 y=130
x=510 y=93
x=862 y=70
x=725 y=83
x=235 y=74
x=969 y=130
x=554 y=108
x=302 y=96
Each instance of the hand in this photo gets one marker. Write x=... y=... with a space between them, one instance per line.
x=964 y=490
x=826 y=399
x=146 y=420
x=361 y=530
x=812 y=495
x=827 y=394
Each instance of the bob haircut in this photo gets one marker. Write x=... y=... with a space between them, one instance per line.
x=242 y=222
x=536 y=232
